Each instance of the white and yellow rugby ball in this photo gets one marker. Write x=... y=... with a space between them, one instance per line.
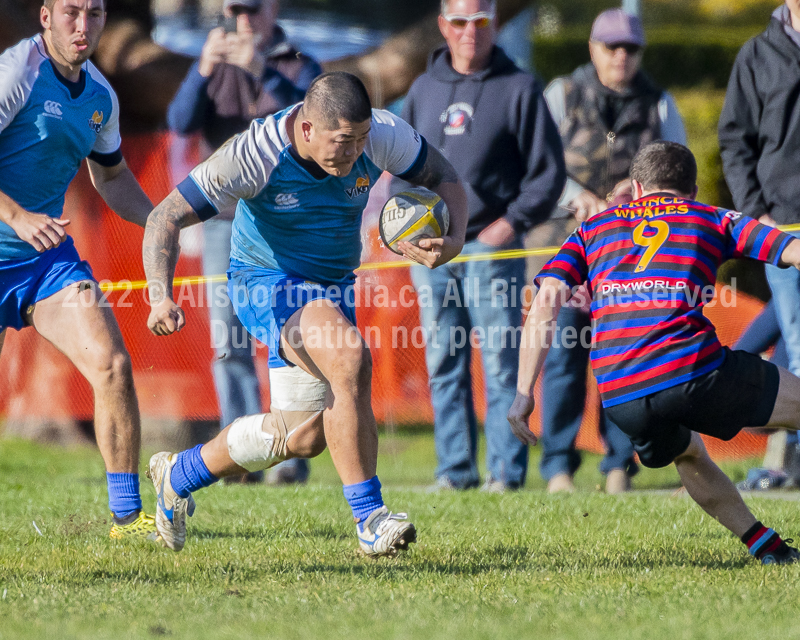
x=411 y=216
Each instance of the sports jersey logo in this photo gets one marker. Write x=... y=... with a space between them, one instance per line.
x=733 y=215
x=286 y=201
x=52 y=109
x=362 y=187
x=455 y=118
x=96 y=121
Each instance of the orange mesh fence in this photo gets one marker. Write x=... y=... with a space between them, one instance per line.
x=173 y=375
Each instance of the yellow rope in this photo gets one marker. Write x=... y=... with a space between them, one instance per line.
x=508 y=254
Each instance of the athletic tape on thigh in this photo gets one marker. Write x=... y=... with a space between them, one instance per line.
x=292 y=389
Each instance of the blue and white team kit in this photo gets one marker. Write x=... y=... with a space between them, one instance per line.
x=48 y=125
x=296 y=237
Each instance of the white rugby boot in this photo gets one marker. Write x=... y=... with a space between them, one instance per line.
x=171 y=509
x=384 y=533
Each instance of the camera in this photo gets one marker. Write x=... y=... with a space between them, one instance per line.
x=227 y=23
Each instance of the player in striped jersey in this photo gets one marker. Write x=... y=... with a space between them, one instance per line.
x=650 y=267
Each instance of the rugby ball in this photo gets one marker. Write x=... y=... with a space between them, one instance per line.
x=411 y=216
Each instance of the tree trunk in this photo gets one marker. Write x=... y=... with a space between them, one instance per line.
x=146 y=76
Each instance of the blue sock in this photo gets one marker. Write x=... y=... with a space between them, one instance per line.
x=190 y=473
x=123 y=494
x=364 y=497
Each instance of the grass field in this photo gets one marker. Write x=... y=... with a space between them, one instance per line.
x=280 y=563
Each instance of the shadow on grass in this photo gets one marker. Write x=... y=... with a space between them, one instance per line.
x=497 y=560
x=256 y=533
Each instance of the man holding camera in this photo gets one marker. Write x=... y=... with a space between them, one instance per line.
x=243 y=73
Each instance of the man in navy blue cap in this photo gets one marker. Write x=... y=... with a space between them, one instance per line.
x=605 y=111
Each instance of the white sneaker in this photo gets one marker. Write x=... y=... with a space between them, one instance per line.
x=384 y=533
x=171 y=509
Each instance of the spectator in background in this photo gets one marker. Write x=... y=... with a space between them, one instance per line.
x=606 y=111
x=489 y=119
x=781 y=464
x=759 y=138
x=250 y=73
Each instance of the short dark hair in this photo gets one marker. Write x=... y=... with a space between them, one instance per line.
x=337 y=96
x=51 y=3
x=665 y=165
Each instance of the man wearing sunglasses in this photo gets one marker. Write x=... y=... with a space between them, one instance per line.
x=247 y=70
x=490 y=120
x=606 y=111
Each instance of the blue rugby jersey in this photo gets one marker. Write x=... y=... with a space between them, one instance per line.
x=45 y=133
x=647 y=263
x=286 y=219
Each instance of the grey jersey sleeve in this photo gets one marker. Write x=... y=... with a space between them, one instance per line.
x=240 y=168
x=19 y=68
x=393 y=144
x=108 y=140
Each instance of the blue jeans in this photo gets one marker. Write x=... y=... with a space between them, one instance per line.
x=762 y=333
x=563 y=400
x=233 y=368
x=785 y=286
x=455 y=299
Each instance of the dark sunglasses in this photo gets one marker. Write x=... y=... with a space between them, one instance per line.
x=630 y=49
x=239 y=9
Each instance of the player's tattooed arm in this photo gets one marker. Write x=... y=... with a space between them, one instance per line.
x=438 y=175
x=160 y=250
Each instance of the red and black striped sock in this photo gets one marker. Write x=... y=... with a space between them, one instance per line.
x=761 y=540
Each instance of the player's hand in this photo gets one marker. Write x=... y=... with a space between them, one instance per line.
x=431 y=252
x=497 y=234
x=214 y=51
x=166 y=318
x=243 y=48
x=767 y=220
x=518 y=416
x=586 y=205
x=621 y=194
x=39 y=230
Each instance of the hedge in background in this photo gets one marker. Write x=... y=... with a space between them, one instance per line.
x=674 y=57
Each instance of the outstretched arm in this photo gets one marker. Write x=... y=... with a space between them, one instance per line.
x=438 y=175
x=160 y=255
x=121 y=191
x=537 y=336
x=791 y=254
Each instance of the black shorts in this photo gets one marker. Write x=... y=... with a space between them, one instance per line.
x=740 y=393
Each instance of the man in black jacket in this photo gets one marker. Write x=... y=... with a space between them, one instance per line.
x=759 y=137
x=248 y=73
x=490 y=120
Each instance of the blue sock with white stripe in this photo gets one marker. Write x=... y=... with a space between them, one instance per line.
x=364 y=497
x=123 y=494
x=190 y=473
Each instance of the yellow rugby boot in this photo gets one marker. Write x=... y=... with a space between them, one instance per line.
x=143 y=527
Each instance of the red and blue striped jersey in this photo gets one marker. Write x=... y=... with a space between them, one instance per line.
x=651 y=266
